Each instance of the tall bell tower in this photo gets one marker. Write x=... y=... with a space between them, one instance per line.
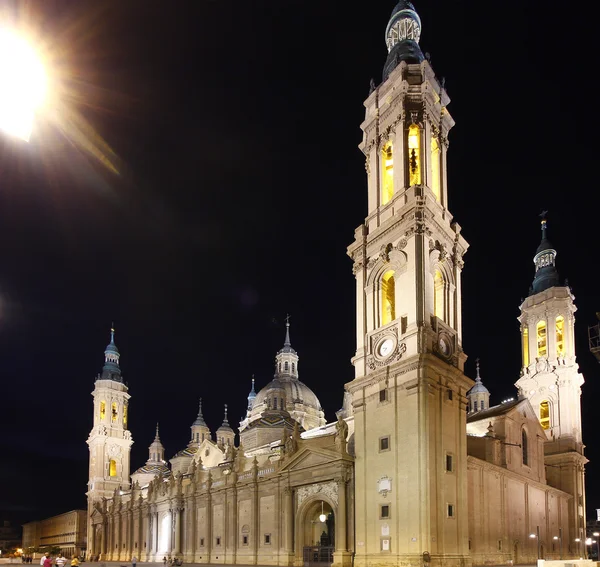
x=551 y=380
x=409 y=390
x=110 y=439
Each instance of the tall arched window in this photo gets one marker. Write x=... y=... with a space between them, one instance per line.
x=560 y=336
x=125 y=415
x=414 y=154
x=102 y=410
x=438 y=294
x=388 y=297
x=545 y=414
x=524 y=448
x=387 y=179
x=286 y=365
x=525 y=346
x=436 y=168
x=114 y=412
x=112 y=468
x=542 y=344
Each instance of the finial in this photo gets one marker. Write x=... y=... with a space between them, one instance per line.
x=252 y=391
x=544 y=222
x=477 y=378
x=156 y=438
x=225 y=422
x=287 y=330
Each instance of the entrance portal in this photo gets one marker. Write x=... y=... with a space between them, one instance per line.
x=318 y=534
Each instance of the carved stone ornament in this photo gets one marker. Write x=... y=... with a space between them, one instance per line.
x=114 y=450
x=357 y=267
x=402 y=243
x=328 y=489
x=384 y=485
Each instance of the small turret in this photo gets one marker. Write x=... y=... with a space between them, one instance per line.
x=111 y=369
x=200 y=430
x=225 y=434
x=251 y=396
x=286 y=361
x=546 y=275
x=478 y=395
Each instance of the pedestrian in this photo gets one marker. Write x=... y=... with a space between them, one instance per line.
x=75 y=561
x=60 y=560
x=165 y=561
x=43 y=559
x=133 y=561
x=48 y=561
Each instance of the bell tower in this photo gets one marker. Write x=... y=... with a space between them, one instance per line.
x=409 y=390
x=551 y=380
x=110 y=439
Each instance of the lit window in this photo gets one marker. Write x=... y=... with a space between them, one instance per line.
x=436 y=156
x=541 y=338
x=525 y=346
x=125 y=415
x=438 y=295
x=112 y=468
x=114 y=412
x=524 y=450
x=387 y=186
x=560 y=336
x=102 y=410
x=414 y=154
x=545 y=414
x=388 y=298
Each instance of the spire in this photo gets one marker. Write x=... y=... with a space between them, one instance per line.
x=111 y=369
x=225 y=422
x=479 y=395
x=225 y=425
x=287 y=345
x=402 y=37
x=199 y=417
x=157 y=438
x=546 y=275
x=251 y=395
x=156 y=450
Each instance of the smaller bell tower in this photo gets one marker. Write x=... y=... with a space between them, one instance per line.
x=551 y=380
x=110 y=439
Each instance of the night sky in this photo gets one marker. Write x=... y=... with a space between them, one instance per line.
x=234 y=127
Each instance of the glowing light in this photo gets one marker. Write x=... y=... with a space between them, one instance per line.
x=22 y=85
x=322 y=516
x=532 y=536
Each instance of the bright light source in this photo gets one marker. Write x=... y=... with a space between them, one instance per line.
x=596 y=534
x=322 y=518
x=577 y=539
x=588 y=541
x=555 y=537
x=532 y=536
x=22 y=84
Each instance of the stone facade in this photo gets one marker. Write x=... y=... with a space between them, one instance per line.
x=418 y=467
x=67 y=531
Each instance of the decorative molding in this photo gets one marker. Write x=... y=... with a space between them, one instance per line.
x=328 y=489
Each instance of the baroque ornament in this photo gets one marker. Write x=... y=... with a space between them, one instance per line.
x=328 y=489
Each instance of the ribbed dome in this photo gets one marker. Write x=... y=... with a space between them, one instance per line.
x=295 y=392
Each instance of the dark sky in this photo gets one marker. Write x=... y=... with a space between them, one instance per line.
x=236 y=126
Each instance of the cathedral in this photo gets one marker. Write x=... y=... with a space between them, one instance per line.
x=418 y=466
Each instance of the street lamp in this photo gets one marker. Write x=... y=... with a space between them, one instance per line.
x=578 y=540
x=22 y=84
x=322 y=516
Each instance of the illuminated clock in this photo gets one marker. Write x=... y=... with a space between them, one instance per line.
x=444 y=345
x=385 y=348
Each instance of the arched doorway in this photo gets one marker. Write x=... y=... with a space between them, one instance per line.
x=316 y=533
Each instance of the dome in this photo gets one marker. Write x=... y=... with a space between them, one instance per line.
x=155 y=469
x=296 y=392
x=479 y=388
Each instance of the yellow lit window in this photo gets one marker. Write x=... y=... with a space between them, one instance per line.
x=541 y=339
x=545 y=414
x=114 y=412
x=112 y=468
x=387 y=185
x=125 y=415
x=388 y=298
x=525 y=346
x=102 y=410
x=414 y=154
x=436 y=157
x=438 y=295
x=560 y=336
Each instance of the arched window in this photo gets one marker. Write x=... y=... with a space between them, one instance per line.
x=293 y=367
x=275 y=403
x=387 y=179
x=524 y=449
x=542 y=344
x=286 y=365
x=436 y=168
x=197 y=437
x=545 y=414
x=124 y=415
x=414 y=154
x=388 y=298
x=438 y=294
x=280 y=367
x=525 y=346
x=281 y=404
x=560 y=336
x=114 y=412
x=102 y=410
x=112 y=468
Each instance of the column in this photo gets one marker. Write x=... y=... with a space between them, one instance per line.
x=92 y=538
x=149 y=540
x=340 y=521
x=155 y=530
x=209 y=535
x=234 y=522
x=289 y=519
x=178 y=530
x=255 y=522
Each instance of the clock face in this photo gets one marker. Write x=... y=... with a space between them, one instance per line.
x=444 y=346
x=386 y=347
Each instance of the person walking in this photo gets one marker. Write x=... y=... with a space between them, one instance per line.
x=60 y=560
x=48 y=561
x=165 y=561
x=133 y=561
x=75 y=561
x=43 y=558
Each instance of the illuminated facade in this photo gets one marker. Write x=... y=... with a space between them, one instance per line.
x=66 y=531
x=418 y=466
